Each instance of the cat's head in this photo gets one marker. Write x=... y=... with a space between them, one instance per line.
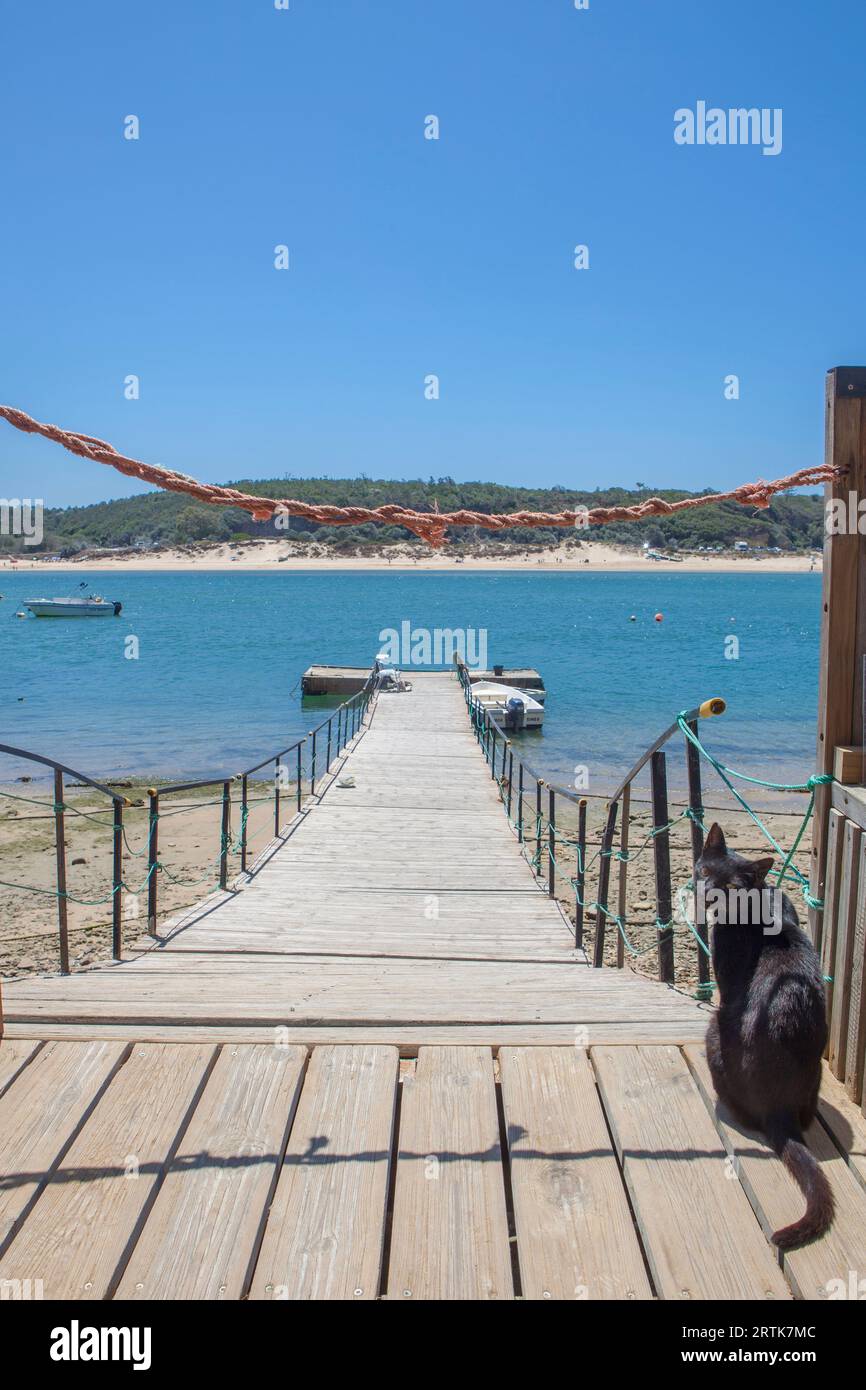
x=722 y=868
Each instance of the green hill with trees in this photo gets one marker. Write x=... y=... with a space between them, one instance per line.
x=793 y=522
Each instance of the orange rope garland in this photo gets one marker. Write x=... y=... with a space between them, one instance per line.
x=430 y=526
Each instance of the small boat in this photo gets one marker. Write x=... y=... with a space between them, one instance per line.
x=90 y=607
x=516 y=709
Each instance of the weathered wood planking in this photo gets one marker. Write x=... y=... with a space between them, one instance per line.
x=575 y=1235
x=80 y=1231
x=855 y=1051
x=14 y=1056
x=778 y=1201
x=202 y=1235
x=827 y=919
x=846 y=912
x=40 y=1114
x=325 y=1231
x=698 y=1229
x=449 y=1235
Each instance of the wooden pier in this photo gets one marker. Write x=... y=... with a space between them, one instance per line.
x=380 y=1069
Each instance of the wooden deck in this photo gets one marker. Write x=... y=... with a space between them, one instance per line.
x=380 y=1070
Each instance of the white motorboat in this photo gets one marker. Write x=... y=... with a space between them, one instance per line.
x=515 y=709
x=90 y=607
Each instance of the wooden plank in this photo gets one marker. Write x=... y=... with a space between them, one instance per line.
x=202 y=1235
x=575 y=1235
x=14 y=1056
x=699 y=1233
x=324 y=1236
x=83 y=1227
x=856 y=1044
x=449 y=1237
x=827 y=943
x=407 y=1037
x=845 y=1122
x=40 y=1114
x=846 y=912
x=777 y=1201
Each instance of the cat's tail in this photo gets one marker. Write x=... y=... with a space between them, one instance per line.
x=786 y=1140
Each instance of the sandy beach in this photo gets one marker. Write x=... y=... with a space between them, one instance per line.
x=267 y=555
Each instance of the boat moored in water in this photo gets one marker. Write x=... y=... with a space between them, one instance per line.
x=90 y=607
x=516 y=709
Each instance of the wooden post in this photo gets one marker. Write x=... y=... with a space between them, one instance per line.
x=117 y=882
x=551 y=843
x=520 y=803
x=60 y=851
x=622 y=887
x=696 y=806
x=843 y=618
x=244 y=786
x=580 y=876
x=152 y=860
x=604 y=884
x=225 y=832
x=662 y=852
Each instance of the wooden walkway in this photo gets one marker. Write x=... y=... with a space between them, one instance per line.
x=381 y=1071
x=399 y=910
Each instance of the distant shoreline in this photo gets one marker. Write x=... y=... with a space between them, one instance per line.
x=275 y=555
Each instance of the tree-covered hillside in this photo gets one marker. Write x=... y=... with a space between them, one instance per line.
x=793 y=522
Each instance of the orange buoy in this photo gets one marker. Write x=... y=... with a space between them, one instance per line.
x=659 y=617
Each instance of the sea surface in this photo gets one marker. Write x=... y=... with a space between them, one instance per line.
x=215 y=686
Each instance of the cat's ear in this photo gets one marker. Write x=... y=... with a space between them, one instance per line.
x=761 y=868
x=715 y=841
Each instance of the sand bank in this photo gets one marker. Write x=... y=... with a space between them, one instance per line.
x=279 y=555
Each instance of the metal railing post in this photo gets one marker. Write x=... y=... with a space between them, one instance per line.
x=300 y=772
x=60 y=850
x=313 y=763
x=117 y=882
x=277 y=766
x=152 y=860
x=538 y=819
x=510 y=776
x=328 y=764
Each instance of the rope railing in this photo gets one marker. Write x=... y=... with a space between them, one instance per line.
x=303 y=763
x=429 y=526
x=530 y=802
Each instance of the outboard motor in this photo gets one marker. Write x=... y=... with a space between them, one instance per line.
x=515 y=713
x=117 y=608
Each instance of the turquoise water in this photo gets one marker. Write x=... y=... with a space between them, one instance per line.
x=216 y=683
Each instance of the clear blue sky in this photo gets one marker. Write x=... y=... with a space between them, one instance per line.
x=411 y=256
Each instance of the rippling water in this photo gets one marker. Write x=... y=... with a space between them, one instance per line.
x=216 y=682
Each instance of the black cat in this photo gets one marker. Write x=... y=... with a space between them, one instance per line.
x=764 y=1046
